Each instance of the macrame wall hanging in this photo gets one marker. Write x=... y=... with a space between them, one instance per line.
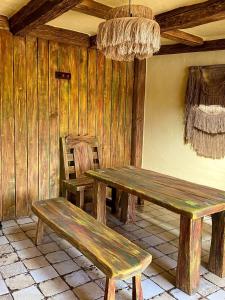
x=205 y=111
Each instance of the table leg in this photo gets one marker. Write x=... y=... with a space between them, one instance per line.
x=128 y=202
x=189 y=256
x=217 y=257
x=99 y=201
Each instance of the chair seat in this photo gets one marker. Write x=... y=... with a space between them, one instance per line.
x=78 y=184
x=112 y=253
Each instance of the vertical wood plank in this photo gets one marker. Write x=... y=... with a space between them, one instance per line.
x=99 y=201
x=74 y=63
x=43 y=97
x=106 y=156
x=8 y=153
x=189 y=255
x=121 y=114
x=92 y=97
x=138 y=112
x=217 y=255
x=32 y=119
x=1 y=93
x=114 y=123
x=20 y=126
x=100 y=101
x=128 y=113
x=137 y=293
x=110 y=289
x=54 y=119
x=64 y=92
x=83 y=92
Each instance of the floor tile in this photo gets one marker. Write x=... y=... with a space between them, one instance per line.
x=150 y=289
x=7 y=259
x=53 y=287
x=66 y=267
x=77 y=278
x=19 y=282
x=73 y=252
x=43 y=274
x=164 y=296
x=89 y=291
x=206 y=287
x=22 y=244
x=219 y=295
x=3 y=288
x=3 y=240
x=12 y=270
x=16 y=237
x=29 y=253
x=178 y=294
x=57 y=256
x=30 y=293
x=68 y=295
x=164 y=280
x=24 y=221
x=10 y=223
x=48 y=248
x=36 y=263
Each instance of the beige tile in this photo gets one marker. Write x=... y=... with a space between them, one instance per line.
x=77 y=278
x=36 y=263
x=215 y=279
x=66 y=267
x=57 y=256
x=31 y=233
x=24 y=221
x=29 y=253
x=9 y=223
x=94 y=273
x=6 y=297
x=83 y=262
x=164 y=296
x=89 y=291
x=166 y=248
x=19 y=282
x=44 y=274
x=11 y=230
x=8 y=259
x=3 y=240
x=16 y=237
x=164 y=280
x=22 y=244
x=68 y=295
x=30 y=293
x=73 y=252
x=53 y=287
x=13 y=269
x=48 y=248
x=3 y=288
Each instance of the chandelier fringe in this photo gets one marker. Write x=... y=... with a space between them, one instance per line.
x=126 y=38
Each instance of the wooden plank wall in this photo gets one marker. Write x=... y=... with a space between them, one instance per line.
x=36 y=109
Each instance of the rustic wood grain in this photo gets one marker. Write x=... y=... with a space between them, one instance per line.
x=137 y=293
x=183 y=37
x=213 y=45
x=110 y=289
x=192 y=15
x=99 y=202
x=54 y=120
x=38 y=12
x=116 y=256
x=43 y=132
x=83 y=93
x=216 y=257
x=93 y=8
x=138 y=112
x=61 y=35
x=7 y=127
x=20 y=126
x=4 y=23
x=189 y=255
x=32 y=119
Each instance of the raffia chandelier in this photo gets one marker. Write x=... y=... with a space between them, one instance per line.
x=129 y=32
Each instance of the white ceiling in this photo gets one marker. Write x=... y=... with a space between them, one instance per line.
x=87 y=24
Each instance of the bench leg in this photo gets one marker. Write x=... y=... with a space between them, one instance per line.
x=39 y=232
x=217 y=257
x=128 y=208
x=99 y=201
x=110 y=289
x=189 y=256
x=137 y=293
x=80 y=199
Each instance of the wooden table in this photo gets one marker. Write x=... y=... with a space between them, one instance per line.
x=191 y=201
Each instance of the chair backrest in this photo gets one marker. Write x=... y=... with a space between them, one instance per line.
x=80 y=154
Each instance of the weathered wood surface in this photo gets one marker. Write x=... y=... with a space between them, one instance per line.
x=4 y=23
x=93 y=8
x=113 y=254
x=213 y=45
x=50 y=107
x=37 y=13
x=137 y=293
x=186 y=198
x=183 y=37
x=189 y=255
x=217 y=253
x=74 y=185
x=192 y=15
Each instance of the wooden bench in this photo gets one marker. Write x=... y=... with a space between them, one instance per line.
x=114 y=255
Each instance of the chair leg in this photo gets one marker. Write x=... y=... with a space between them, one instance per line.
x=137 y=293
x=110 y=289
x=80 y=199
x=39 y=232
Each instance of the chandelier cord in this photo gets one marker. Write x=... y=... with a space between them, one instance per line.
x=130 y=8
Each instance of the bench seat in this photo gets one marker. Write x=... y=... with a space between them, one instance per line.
x=114 y=255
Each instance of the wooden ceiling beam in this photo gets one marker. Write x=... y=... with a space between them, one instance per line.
x=38 y=12
x=93 y=8
x=183 y=37
x=61 y=35
x=192 y=15
x=213 y=45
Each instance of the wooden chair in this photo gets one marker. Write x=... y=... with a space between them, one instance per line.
x=80 y=153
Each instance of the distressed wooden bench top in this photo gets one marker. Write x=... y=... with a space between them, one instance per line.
x=177 y=195
x=78 y=183
x=113 y=254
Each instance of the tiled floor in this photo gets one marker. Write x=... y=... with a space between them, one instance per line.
x=57 y=271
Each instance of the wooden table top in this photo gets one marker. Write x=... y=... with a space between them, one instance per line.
x=180 y=196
